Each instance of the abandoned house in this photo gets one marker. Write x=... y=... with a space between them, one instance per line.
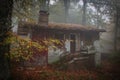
x=75 y=36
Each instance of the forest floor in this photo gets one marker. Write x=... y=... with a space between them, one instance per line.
x=107 y=71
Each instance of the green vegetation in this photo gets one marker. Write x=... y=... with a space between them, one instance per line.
x=23 y=48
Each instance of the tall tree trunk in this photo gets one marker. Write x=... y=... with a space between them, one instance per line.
x=44 y=5
x=116 y=28
x=84 y=12
x=97 y=17
x=66 y=5
x=5 y=23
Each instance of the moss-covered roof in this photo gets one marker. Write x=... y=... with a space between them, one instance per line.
x=24 y=26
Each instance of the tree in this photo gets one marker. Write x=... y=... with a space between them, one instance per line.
x=66 y=5
x=57 y=12
x=113 y=9
x=6 y=7
x=84 y=12
x=27 y=10
x=5 y=28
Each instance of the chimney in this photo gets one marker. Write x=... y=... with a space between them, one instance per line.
x=43 y=18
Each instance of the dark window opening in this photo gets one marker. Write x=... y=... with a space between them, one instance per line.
x=59 y=36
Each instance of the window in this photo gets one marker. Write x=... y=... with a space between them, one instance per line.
x=59 y=36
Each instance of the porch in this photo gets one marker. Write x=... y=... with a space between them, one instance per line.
x=75 y=61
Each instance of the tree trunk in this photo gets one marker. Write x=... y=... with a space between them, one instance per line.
x=44 y=5
x=84 y=12
x=116 y=27
x=66 y=5
x=5 y=23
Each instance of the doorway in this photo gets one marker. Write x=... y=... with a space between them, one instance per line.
x=72 y=43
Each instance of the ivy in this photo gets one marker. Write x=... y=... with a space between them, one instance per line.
x=24 y=48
